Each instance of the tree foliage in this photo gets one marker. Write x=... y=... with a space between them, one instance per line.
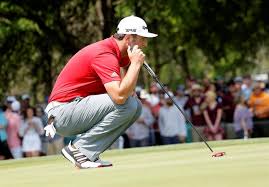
x=196 y=37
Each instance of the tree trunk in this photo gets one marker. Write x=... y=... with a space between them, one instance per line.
x=184 y=63
x=107 y=10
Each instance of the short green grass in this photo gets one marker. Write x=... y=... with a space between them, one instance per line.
x=246 y=164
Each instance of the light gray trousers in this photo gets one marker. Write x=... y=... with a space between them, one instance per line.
x=97 y=119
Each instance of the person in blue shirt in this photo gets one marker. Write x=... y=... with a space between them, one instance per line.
x=4 y=150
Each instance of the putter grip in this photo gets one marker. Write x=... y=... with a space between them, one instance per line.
x=145 y=64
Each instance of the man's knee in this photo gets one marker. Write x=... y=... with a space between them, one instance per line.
x=139 y=107
x=132 y=106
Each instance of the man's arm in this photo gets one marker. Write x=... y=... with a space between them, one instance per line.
x=119 y=91
x=124 y=71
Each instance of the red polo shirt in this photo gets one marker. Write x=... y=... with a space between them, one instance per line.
x=88 y=70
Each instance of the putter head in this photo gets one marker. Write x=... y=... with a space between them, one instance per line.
x=218 y=154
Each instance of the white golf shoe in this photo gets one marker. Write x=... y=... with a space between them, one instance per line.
x=80 y=160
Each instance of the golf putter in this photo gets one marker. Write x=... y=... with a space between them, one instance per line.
x=154 y=76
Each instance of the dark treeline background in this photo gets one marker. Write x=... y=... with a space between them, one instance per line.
x=197 y=38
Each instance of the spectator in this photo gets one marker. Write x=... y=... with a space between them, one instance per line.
x=211 y=88
x=181 y=100
x=172 y=123
x=247 y=87
x=194 y=106
x=212 y=114
x=14 y=124
x=154 y=98
x=31 y=130
x=228 y=106
x=155 y=105
x=220 y=84
x=180 y=97
x=206 y=84
x=228 y=102
x=190 y=81
x=139 y=132
x=238 y=82
x=44 y=140
x=259 y=104
x=4 y=150
x=243 y=123
x=25 y=103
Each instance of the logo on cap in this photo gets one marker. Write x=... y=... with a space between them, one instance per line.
x=130 y=30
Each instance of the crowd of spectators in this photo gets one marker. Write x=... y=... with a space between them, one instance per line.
x=219 y=110
x=22 y=130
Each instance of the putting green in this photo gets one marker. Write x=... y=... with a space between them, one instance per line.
x=246 y=164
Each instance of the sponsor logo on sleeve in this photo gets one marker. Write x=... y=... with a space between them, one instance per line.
x=114 y=74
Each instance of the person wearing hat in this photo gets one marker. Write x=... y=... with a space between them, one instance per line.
x=4 y=149
x=172 y=123
x=25 y=103
x=259 y=105
x=13 y=117
x=139 y=132
x=194 y=107
x=92 y=98
x=180 y=97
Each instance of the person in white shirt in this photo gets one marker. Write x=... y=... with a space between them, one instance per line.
x=180 y=97
x=171 y=123
x=30 y=130
x=138 y=133
x=153 y=98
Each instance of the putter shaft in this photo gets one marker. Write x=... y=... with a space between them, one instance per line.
x=154 y=76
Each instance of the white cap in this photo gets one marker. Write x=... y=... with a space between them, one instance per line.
x=16 y=106
x=11 y=99
x=25 y=96
x=134 y=25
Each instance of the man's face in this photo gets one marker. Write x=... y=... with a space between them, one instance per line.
x=257 y=91
x=196 y=93
x=238 y=85
x=29 y=112
x=180 y=93
x=137 y=40
x=169 y=102
x=154 y=89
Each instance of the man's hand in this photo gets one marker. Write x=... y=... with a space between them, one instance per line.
x=119 y=91
x=136 y=55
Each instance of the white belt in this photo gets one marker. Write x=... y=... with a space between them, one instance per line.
x=53 y=104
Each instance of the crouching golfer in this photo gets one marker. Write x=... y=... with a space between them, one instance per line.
x=92 y=99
